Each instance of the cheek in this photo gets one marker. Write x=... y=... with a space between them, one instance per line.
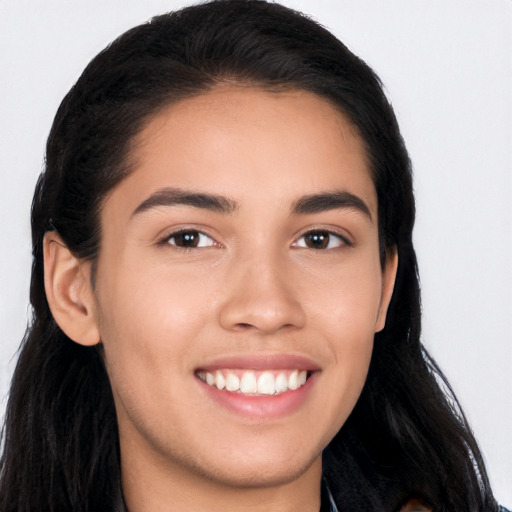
x=149 y=317
x=149 y=337
x=152 y=294
x=344 y=307
x=345 y=299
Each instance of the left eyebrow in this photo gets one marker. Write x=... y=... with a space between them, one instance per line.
x=316 y=203
x=176 y=196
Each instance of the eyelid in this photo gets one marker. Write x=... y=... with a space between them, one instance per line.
x=165 y=240
x=344 y=239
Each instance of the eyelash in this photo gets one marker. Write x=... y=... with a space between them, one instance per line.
x=191 y=233
x=320 y=234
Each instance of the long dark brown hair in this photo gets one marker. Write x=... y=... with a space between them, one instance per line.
x=406 y=437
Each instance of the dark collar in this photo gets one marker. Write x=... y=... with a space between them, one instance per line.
x=326 y=500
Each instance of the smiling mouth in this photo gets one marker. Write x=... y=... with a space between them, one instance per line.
x=255 y=383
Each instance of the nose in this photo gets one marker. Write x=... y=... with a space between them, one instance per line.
x=261 y=297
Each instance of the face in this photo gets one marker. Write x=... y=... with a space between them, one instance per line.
x=239 y=286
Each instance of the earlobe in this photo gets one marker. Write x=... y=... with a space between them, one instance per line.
x=67 y=281
x=388 y=283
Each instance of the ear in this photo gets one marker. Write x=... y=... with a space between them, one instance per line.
x=67 y=281
x=388 y=283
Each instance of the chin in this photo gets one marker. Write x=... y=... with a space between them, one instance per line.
x=256 y=476
x=262 y=463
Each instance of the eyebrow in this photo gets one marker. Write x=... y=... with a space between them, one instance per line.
x=175 y=196
x=310 y=204
x=317 y=203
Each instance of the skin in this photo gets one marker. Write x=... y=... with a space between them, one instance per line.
x=253 y=286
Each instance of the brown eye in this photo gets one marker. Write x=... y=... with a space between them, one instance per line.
x=321 y=240
x=318 y=240
x=190 y=239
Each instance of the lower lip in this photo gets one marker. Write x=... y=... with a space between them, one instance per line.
x=266 y=407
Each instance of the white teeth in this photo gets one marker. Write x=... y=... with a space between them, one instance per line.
x=248 y=383
x=293 y=383
x=281 y=383
x=266 y=384
x=220 y=381
x=232 y=382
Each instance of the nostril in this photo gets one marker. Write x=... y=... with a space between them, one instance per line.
x=243 y=326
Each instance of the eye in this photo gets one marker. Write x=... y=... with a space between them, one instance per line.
x=320 y=239
x=189 y=239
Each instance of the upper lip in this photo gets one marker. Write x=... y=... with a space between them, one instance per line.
x=261 y=361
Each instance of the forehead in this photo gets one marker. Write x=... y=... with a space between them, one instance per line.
x=248 y=143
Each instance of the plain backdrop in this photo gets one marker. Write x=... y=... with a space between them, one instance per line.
x=447 y=68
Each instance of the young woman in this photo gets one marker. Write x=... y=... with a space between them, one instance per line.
x=225 y=293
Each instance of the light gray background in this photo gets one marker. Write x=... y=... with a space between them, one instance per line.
x=446 y=65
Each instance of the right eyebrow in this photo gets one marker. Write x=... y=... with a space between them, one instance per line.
x=177 y=196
